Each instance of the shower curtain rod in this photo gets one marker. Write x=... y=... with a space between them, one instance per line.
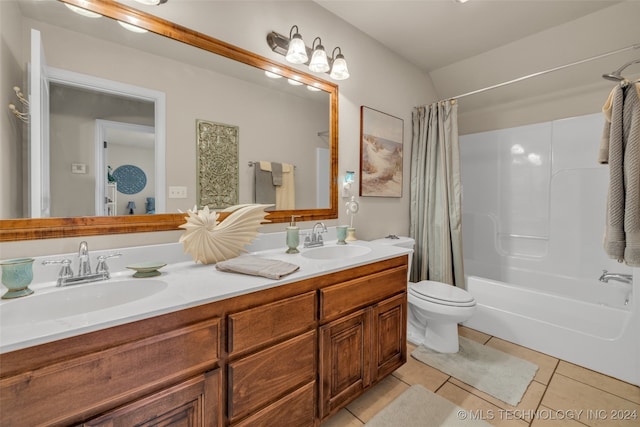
x=540 y=73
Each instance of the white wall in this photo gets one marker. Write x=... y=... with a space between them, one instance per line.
x=379 y=79
x=546 y=97
x=12 y=149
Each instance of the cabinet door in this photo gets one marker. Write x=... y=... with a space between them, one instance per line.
x=389 y=332
x=345 y=360
x=193 y=403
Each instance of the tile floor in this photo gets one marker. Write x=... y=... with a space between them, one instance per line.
x=561 y=394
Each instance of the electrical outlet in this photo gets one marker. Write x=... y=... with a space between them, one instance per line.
x=177 y=192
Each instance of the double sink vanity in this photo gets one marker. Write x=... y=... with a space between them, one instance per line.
x=196 y=346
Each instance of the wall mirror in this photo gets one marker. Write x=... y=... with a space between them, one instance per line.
x=302 y=130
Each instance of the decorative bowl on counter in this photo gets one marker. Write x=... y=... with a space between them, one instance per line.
x=146 y=269
x=17 y=275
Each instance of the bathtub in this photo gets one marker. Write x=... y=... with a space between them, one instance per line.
x=589 y=323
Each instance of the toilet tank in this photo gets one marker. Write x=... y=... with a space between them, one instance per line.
x=401 y=241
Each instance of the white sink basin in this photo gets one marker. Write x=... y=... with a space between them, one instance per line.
x=336 y=252
x=78 y=299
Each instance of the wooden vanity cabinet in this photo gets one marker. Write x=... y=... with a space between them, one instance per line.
x=367 y=339
x=160 y=364
x=272 y=365
x=192 y=403
x=290 y=356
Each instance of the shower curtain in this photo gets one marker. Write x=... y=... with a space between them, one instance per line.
x=436 y=195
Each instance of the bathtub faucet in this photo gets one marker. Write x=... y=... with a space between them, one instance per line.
x=624 y=278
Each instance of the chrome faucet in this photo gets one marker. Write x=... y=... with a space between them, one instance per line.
x=624 y=278
x=84 y=275
x=316 y=236
x=84 y=264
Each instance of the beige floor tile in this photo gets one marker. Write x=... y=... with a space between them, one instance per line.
x=598 y=407
x=479 y=408
x=472 y=334
x=342 y=418
x=601 y=381
x=530 y=400
x=376 y=398
x=546 y=364
x=547 y=417
x=416 y=372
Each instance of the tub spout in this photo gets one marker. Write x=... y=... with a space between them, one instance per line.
x=624 y=278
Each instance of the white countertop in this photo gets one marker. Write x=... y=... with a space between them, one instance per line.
x=183 y=284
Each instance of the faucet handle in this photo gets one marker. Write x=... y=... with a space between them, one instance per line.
x=65 y=271
x=102 y=263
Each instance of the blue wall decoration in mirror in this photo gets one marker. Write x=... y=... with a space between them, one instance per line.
x=131 y=179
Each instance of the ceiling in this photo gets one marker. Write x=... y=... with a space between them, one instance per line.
x=415 y=28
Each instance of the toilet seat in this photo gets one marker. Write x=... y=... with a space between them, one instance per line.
x=441 y=293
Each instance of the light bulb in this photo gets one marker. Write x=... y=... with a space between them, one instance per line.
x=297 y=52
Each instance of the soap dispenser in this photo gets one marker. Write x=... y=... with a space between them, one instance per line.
x=293 y=236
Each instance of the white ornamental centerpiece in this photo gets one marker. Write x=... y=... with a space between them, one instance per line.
x=209 y=241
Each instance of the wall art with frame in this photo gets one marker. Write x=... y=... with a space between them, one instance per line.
x=217 y=164
x=381 y=149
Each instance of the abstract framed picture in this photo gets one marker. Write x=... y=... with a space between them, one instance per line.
x=381 y=147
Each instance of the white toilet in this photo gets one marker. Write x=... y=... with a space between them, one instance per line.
x=435 y=308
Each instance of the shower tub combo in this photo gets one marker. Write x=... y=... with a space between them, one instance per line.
x=533 y=217
x=598 y=331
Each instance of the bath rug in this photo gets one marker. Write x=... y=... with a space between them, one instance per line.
x=419 y=407
x=492 y=371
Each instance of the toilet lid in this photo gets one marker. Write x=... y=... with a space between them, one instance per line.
x=441 y=293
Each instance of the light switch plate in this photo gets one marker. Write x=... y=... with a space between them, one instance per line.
x=176 y=192
x=78 y=168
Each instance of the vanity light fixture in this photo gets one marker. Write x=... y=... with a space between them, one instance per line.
x=294 y=82
x=272 y=75
x=313 y=88
x=319 y=62
x=339 y=70
x=151 y=2
x=296 y=52
x=132 y=27
x=84 y=12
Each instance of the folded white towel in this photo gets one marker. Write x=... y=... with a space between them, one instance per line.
x=257 y=266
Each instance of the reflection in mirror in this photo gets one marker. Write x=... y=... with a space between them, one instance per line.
x=278 y=123
x=82 y=147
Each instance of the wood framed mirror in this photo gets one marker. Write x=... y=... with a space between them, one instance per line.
x=13 y=229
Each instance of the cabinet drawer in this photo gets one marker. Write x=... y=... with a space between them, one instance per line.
x=266 y=376
x=298 y=409
x=91 y=384
x=340 y=299
x=190 y=403
x=256 y=327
